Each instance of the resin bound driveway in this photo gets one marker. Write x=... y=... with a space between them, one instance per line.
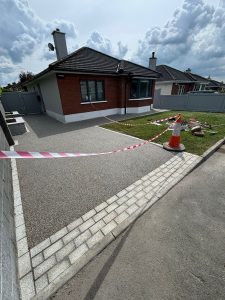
x=57 y=191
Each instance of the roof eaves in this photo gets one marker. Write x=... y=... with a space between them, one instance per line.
x=86 y=71
x=37 y=76
x=93 y=71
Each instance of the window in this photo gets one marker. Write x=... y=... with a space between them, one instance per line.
x=92 y=90
x=199 y=87
x=141 y=88
x=181 y=89
x=196 y=87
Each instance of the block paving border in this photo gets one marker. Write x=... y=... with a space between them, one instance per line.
x=47 y=266
x=27 y=286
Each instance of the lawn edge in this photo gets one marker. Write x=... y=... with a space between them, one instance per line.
x=212 y=149
x=134 y=117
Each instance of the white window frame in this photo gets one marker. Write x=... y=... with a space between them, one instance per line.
x=181 y=88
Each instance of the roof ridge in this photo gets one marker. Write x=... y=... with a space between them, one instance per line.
x=85 y=47
x=78 y=50
x=65 y=57
x=140 y=66
x=166 y=68
x=91 y=59
x=199 y=76
x=190 y=75
x=102 y=53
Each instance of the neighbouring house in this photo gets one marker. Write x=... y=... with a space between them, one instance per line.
x=176 y=82
x=88 y=84
x=216 y=85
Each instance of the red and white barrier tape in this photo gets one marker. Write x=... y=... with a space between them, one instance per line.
x=166 y=119
x=26 y=154
x=149 y=123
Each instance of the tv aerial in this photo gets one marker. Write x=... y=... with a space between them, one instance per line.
x=51 y=47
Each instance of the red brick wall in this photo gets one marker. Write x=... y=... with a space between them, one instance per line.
x=69 y=89
x=174 y=89
x=188 y=87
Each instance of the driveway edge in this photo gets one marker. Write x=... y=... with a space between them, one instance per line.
x=75 y=268
x=80 y=262
x=25 y=275
x=173 y=174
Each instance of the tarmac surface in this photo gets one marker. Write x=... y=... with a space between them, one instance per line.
x=57 y=191
x=176 y=250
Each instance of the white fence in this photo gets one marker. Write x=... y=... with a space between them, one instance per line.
x=191 y=102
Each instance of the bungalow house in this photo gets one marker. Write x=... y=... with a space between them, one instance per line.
x=88 y=84
x=216 y=85
x=176 y=82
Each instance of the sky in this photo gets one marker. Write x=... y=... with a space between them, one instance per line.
x=183 y=33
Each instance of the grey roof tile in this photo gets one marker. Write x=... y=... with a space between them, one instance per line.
x=171 y=74
x=87 y=60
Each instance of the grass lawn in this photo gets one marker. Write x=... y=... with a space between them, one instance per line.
x=193 y=144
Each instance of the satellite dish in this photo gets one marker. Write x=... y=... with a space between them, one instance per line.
x=51 y=47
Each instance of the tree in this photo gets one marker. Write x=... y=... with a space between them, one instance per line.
x=24 y=76
x=18 y=86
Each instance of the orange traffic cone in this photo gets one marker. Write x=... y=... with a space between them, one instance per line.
x=174 y=142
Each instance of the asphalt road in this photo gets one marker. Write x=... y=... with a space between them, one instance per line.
x=57 y=191
x=176 y=250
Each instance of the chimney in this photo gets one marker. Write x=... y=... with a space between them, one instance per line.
x=152 y=62
x=60 y=43
x=188 y=70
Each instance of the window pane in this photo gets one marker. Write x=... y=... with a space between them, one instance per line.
x=144 y=88
x=84 y=92
x=91 y=90
x=134 y=89
x=150 y=88
x=181 y=89
x=100 y=91
x=196 y=87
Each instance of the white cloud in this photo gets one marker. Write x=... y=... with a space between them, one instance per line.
x=24 y=38
x=193 y=38
x=97 y=42
x=24 y=34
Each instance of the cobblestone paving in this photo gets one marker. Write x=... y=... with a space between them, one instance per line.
x=40 y=266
